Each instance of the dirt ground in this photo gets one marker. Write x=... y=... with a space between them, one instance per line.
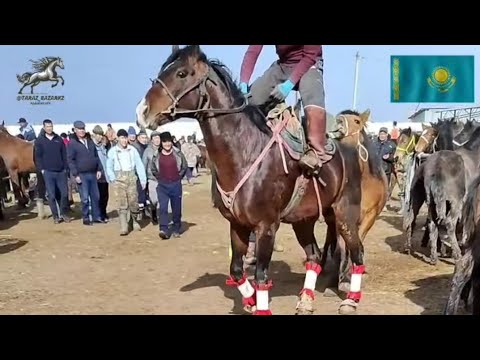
x=75 y=269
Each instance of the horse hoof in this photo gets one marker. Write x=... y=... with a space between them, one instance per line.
x=250 y=308
x=344 y=287
x=406 y=251
x=304 y=305
x=348 y=307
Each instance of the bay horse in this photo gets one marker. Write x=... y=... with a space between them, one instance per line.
x=239 y=143
x=350 y=129
x=18 y=156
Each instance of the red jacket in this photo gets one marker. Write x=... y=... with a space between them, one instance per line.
x=299 y=57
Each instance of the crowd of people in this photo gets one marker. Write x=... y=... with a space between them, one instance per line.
x=145 y=173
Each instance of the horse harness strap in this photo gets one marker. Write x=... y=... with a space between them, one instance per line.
x=204 y=101
x=407 y=149
x=228 y=197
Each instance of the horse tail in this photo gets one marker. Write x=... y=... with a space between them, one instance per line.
x=438 y=195
x=24 y=77
x=469 y=211
x=215 y=194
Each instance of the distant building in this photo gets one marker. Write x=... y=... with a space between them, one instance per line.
x=433 y=114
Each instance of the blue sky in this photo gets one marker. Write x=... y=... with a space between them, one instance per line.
x=103 y=83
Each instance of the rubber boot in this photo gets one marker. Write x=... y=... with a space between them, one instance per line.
x=40 y=209
x=122 y=217
x=316 y=156
x=136 y=225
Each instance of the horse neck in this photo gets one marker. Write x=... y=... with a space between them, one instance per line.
x=233 y=141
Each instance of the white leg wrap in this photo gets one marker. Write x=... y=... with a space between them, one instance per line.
x=262 y=299
x=246 y=289
x=356 y=283
x=310 y=280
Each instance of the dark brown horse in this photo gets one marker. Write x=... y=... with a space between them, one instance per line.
x=255 y=178
x=19 y=160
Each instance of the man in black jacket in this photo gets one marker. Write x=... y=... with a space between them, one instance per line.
x=386 y=151
x=85 y=167
x=51 y=160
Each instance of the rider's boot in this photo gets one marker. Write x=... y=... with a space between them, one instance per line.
x=317 y=155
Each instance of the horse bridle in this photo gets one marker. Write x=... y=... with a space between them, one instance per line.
x=346 y=134
x=204 y=100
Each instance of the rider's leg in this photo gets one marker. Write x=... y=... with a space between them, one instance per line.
x=262 y=87
x=313 y=97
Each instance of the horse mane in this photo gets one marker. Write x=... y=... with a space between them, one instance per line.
x=374 y=162
x=474 y=141
x=252 y=112
x=42 y=64
x=406 y=132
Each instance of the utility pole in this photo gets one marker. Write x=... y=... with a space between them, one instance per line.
x=355 y=85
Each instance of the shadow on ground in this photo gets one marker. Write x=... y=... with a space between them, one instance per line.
x=285 y=283
x=431 y=294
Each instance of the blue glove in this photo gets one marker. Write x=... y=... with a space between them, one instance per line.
x=244 y=88
x=282 y=90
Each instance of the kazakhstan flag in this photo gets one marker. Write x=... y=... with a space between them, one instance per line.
x=432 y=79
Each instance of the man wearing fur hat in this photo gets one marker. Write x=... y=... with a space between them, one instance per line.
x=124 y=167
x=168 y=166
x=150 y=151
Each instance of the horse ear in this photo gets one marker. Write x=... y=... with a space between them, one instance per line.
x=424 y=126
x=365 y=116
x=175 y=48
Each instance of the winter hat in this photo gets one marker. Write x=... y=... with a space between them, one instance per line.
x=131 y=131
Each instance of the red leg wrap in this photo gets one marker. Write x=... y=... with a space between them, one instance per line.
x=309 y=292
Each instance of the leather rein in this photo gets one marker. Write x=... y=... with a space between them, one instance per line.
x=203 y=103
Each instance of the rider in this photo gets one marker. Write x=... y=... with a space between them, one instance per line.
x=299 y=67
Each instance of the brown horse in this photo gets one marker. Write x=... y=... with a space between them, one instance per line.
x=19 y=160
x=374 y=183
x=239 y=143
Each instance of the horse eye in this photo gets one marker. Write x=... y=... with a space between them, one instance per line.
x=357 y=121
x=181 y=74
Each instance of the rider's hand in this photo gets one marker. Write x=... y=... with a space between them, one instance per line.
x=78 y=180
x=244 y=88
x=282 y=90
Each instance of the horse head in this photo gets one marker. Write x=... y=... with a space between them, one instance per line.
x=447 y=129
x=179 y=88
x=466 y=133
x=59 y=62
x=350 y=124
x=427 y=139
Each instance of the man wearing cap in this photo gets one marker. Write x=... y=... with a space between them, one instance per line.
x=132 y=135
x=150 y=151
x=26 y=130
x=123 y=166
x=386 y=151
x=168 y=167
x=102 y=182
x=141 y=143
x=86 y=168
x=51 y=160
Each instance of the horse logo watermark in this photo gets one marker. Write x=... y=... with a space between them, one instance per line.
x=45 y=70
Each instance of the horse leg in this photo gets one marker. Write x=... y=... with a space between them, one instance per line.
x=347 y=228
x=265 y=243
x=331 y=238
x=433 y=232
x=476 y=289
x=17 y=188
x=306 y=238
x=239 y=242
x=461 y=275
x=451 y=225
x=418 y=198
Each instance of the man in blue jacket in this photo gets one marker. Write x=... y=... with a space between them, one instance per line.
x=85 y=167
x=51 y=160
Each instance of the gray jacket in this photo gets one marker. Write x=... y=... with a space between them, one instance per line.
x=147 y=161
x=181 y=163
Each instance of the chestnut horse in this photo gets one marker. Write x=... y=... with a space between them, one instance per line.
x=19 y=160
x=350 y=129
x=256 y=180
